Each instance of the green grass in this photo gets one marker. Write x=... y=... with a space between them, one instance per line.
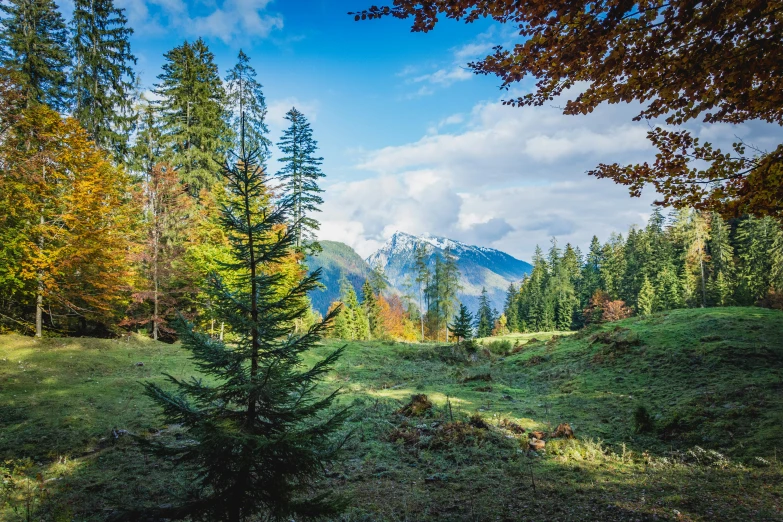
x=711 y=381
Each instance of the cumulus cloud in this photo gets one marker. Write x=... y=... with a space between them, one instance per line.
x=229 y=20
x=445 y=77
x=506 y=177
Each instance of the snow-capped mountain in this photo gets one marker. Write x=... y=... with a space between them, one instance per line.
x=479 y=266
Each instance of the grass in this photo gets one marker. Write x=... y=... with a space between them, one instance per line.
x=711 y=382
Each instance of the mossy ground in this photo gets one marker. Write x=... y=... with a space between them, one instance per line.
x=711 y=381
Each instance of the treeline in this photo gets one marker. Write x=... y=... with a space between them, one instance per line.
x=110 y=202
x=691 y=259
x=422 y=312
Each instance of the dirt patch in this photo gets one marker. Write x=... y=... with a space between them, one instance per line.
x=418 y=406
x=511 y=426
x=563 y=431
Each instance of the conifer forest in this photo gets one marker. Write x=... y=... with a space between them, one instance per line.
x=263 y=261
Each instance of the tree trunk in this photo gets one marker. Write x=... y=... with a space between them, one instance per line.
x=39 y=297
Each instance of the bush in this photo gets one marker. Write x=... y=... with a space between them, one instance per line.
x=642 y=420
x=499 y=347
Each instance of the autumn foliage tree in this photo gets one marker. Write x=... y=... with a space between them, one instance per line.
x=716 y=61
x=168 y=213
x=66 y=220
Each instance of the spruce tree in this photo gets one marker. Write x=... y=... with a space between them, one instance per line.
x=261 y=434
x=645 y=304
x=754 y=245
x=300 y=174
x=147 y=148
x=244 y=95
x=510 y=309
x=34 y=42
x=421 y=256
x=192 y=114
x=371 y=310
x=485 y=319
x=103 y=77
x=448 y=286
x=591 y=273
x=462 y=327
x=721 y=267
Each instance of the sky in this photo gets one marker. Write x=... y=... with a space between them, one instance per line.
x=411 y=139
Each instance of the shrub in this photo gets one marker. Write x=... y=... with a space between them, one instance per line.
x=499 y=347
x=642 y=420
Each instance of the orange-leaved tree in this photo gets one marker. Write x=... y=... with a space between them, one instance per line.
x=69 y=221
x=713 y=60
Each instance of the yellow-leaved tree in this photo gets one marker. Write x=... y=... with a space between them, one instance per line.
x=68 y=224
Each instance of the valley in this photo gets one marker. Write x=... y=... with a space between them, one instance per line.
x=709 y=379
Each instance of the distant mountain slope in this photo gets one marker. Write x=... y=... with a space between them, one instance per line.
x=479 y=266
x=335 y=259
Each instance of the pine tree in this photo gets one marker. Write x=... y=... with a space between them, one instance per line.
x=245 y=96
x=510 y=308
x=485 y=319
x=192 y=114
x=300 y=174
x=448 y=286
x=755 y=239
x=103 y=77
x=147 y=148
x=34 y=43
x=421 y=257
x=261 y=433
x=462 y=327
x=721 y=268
x=645 y=304
x=371 y=310
x=591 y=273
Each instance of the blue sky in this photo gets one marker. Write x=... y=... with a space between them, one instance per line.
x=411 y=139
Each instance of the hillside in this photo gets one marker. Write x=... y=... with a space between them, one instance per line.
x=336 y=259
x=479 y=266
x=709 y=378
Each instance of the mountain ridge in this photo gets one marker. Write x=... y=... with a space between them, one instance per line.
x=480 y=267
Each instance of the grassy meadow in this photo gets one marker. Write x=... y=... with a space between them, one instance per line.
x=677 y=416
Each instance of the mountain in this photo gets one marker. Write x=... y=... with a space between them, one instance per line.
x=479 y=266
x=336 y=259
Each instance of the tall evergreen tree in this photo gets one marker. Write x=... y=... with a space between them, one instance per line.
x=300 y=174
x=371 y=310
x=448 y=286
x=510 y=308
x=591 y=272
x=754 y=243
x=485 y=318
x=421 y=267
x=645 y=303
x=244 y=96
x=103 y=77
x=462 y=327
x=34 y=42
x=261 y=433
x=192 y=114
x=148 y=145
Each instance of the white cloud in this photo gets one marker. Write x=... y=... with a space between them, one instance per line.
x=230 y=20
x=506 y=177
x=473 y=50
x=445 y=77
